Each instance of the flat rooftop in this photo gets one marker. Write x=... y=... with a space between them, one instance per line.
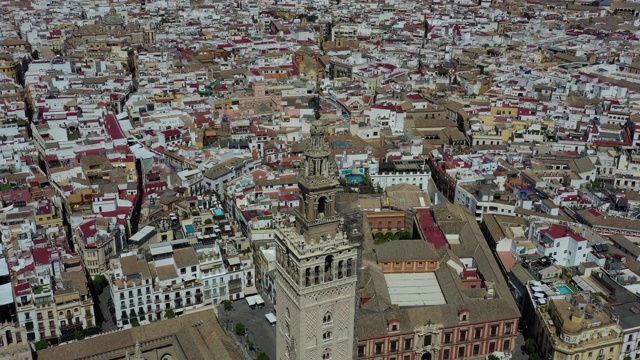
x=415 y=289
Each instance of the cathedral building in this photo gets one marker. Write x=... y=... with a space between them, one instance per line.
x=316 y=266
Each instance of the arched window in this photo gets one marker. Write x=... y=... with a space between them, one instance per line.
x=327 y=319
x=328 y=268
x=326 y=354
x=287 y=331
x=287 y=314
x=166 y=357
x=327 y=336
x=322 y=206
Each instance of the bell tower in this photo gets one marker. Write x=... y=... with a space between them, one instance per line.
x=317 y=182
x=315 y=266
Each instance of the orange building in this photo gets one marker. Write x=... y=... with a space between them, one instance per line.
x=386 y=221
x=422 y=256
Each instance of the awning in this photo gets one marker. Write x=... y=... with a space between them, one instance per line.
x=271 y=318
x=6 y=294
x=539 y=295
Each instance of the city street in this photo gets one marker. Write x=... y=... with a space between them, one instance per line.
x=260 y=332
x=103 y=317
x=518 y=349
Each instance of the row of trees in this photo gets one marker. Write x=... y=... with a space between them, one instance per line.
x=381 y=238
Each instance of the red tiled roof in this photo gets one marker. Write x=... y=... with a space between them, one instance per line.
x=559 y=231
x=88 y=228
x=41 y=256
x=113 y=127
x=431 y=231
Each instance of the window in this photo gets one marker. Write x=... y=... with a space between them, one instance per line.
x=407 y=357
x=193 y=269
x=492 y=347
x=508 y=328
x=394 y=327
x=379 y=348
x=326 y=354
x=427 y=340
x=463 y=335
x=494 y=330
x=445 y=354
x=506 y=345
x=407 y=344
x=393 y=346
x=478 y=333
x=326 y=337
x=183 y=271
x=476 y=349
x=461 y=352
x=327 y=319
x=447 y=338
x=361 y=350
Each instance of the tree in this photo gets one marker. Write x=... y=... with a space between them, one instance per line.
x=263 y=356
x=135 y=323
x=99 y=282
x=41 y=345
x=535 y=356
x=443 y=71
x=379 y=238
x=240 y=328
x=169 y=314
x=228 y=306
x=492 y=357
x=530 y=346
x=35 y=55
x=79 y=335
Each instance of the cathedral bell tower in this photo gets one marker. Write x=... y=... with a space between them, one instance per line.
x=316 y=217
x=315 y=266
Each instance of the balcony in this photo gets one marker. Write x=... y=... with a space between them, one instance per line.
x=70 y=327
